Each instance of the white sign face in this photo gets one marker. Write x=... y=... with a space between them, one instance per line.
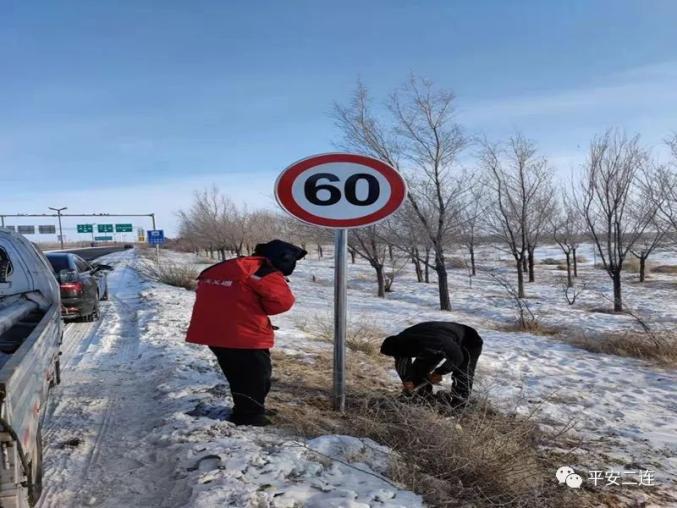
x=317 y=190
x=340 y=190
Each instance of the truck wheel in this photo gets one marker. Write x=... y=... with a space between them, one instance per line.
x=35 y=486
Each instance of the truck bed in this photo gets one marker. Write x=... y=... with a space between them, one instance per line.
x=18 y=319
x=14 y=336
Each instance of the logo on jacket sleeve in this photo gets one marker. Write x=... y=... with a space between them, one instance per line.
x=216 y=282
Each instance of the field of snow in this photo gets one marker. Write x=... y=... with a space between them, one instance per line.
x=118 y=430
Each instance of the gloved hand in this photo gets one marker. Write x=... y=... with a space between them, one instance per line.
x=435 y=378
x=408 y=386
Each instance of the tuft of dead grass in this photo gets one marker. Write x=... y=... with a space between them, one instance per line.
x=668 y=269
x=478 y=457
x=174 y=274
x=534 y=327
x=658 y=347
x=456 y=262
x=361 y=334
x=631 y=265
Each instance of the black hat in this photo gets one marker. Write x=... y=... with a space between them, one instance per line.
x=282 y=255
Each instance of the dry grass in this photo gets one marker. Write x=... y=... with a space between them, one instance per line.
x=659 y=347
x=478 y=457
x=533 y=327
x=631 y=265
x=669 y=269
x=361 y=335
x=456 y=262
x=174 y=274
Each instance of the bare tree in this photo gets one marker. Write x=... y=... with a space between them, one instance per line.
x=519 y=180
x=653 y=192
x=665 y=189
x=538 y=218
x=423 y=139
x=394 y=267
x=610 y=201
x=368 y=244
x=214 y=223
x=406 y=235
x=666 y=181
x=566 y=231
x=472 y=213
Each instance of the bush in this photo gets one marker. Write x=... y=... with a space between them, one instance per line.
x=174 y=274
x=581 y=259
x=551 y=261
x=631 y=265
x=669 y=269
x=456 y=262
x=529 y=326
x=659 y=348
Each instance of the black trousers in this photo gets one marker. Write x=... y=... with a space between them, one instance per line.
x=248 y=372
x=462 y=360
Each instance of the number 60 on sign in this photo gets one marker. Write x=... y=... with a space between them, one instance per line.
x=340 y=190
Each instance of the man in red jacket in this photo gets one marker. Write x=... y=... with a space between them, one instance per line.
x=234 y=299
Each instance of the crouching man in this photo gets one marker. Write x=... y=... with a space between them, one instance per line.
x=427 y=351
x=233 y=301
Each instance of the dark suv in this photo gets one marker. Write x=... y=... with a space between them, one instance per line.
x=82 y=285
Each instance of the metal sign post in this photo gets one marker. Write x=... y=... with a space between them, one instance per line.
x=340 y=191
x=340 y=318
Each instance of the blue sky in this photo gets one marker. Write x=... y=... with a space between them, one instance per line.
x=129 y=106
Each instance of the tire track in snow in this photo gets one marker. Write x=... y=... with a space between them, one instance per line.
x=108 y=401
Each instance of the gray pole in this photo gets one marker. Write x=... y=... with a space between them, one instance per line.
x=157 y=247
x=58 y=213
x=340 y=310
x=60 y=229
x=2 y=218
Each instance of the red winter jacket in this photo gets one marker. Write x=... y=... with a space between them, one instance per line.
x=232 y=305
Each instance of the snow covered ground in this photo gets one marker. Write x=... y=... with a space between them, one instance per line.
x=117 y=434
x=118 y=430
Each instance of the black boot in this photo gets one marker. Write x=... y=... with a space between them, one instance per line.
x=255 y=420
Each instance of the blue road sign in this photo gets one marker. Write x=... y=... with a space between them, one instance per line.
x=156 y=236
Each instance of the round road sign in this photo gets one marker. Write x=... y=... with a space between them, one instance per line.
x=340 y=190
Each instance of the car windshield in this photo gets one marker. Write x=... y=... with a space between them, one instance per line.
x=59 y=263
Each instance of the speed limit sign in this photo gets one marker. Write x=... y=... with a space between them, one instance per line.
x=340 y=190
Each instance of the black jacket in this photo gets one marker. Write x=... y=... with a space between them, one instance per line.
x=433 y=338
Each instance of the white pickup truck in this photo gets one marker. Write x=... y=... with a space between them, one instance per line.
x=30 y=336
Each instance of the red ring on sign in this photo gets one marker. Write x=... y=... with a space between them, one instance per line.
x=283 y=190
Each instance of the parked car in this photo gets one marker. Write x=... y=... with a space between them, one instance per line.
x=82 y=285
x=31 y=332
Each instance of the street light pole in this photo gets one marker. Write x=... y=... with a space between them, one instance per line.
x=58 y=213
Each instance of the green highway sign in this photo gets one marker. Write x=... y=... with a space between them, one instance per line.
x=104 y=228
x=103 y=238
x=123 y=228
x=85 y=228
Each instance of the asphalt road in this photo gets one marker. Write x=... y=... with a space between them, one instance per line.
x=91 y=253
